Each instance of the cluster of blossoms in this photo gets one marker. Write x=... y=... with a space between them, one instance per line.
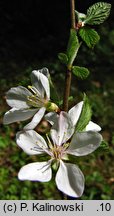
x=63 y=139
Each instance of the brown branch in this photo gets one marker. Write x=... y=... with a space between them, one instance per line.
x=72 y=6
x=67 y=89
x=69 y=72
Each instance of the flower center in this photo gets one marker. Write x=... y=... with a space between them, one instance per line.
x=58 y=152
x=35 y=100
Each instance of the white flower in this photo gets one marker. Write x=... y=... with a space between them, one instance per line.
x=74 y=115
x=28 y=103
x=69 y=178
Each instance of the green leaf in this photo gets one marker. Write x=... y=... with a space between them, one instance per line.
x=104 y=147
x=80 y=16
x=89 y=36
x=85 y=115
x=73 y=46
x=70 y=99
x=80 y=72
x=98 y=13
x=63 y=58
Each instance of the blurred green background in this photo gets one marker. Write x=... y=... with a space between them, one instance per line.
x=32 y=33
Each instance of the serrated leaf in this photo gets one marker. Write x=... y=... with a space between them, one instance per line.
x=73 y=46
x=85 y=115
x=80 y=72
x=63 y=58
x=98 y=13
x=89 y=36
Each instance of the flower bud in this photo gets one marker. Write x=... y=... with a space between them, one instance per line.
x=52 y=107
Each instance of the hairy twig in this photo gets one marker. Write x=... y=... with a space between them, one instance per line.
x=69 y=72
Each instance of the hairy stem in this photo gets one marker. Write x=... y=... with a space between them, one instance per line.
x=73 y=22
x=69 y=72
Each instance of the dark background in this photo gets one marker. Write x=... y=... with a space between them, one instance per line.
x=37 y=29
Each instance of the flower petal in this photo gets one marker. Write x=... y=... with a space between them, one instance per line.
x=75 y=112
x=41 y=83
x=36 y=82
x=70 y=179
x=62 y=129
x=31 y=142
x=36 y=119
x=51 y=117
x=84 y=143
x=45 y=71
x=92 y=127
x=45 y=83
x=17 y=97
x=15 y=115
x=37 y=171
